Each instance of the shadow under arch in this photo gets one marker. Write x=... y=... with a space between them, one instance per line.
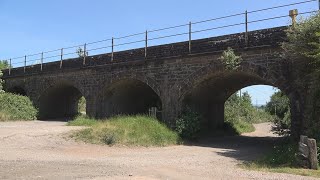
x=128 y=96
x=59 y=101
x=17 y=90
x=208 y=95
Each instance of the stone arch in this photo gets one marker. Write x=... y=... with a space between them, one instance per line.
x=273 y=78
x=128 y=95
x=59 y=100
x=207 y=90
x=135 y=76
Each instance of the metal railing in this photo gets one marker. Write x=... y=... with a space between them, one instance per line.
x=62 y=54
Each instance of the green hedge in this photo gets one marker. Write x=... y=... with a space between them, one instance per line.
x=15 y=107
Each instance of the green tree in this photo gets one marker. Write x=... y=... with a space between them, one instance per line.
x=303 y=39
x=278 y=105
x=4 y=64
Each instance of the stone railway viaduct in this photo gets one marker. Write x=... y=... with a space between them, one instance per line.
x=169 y=78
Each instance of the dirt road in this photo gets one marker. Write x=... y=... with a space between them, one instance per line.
x=38 y=150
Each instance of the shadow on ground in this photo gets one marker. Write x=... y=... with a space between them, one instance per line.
x=243 y=148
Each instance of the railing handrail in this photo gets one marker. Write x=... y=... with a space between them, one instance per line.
x=86 y=50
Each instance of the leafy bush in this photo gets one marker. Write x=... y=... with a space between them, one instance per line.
x=188 y=125
x=16 y=107
x=230 y=59
x=126 y=130
x=279 y=107
x=303 y=40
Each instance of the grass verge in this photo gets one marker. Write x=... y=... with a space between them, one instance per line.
x=16 y=108
x=126 y=130
x=281 y=159
x=82 y=121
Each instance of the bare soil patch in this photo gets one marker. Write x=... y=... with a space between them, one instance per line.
x=38 y=150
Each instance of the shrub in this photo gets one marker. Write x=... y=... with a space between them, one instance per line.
x=230 y=59
x=16 y=107
x=188 y=125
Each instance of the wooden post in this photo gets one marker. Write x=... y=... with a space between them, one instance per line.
x=84 y=53
x=246 y=24
x=61 y=57
x=146 y=45
x=313 y=154
x=10 y=65
x=112 y=50
x=307 y=155
x=190 y=33
x=25 y=64
x=41 y=61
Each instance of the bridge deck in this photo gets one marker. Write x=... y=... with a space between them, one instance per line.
x=259 y=38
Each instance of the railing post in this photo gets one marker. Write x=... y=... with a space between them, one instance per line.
x=146 y=45
x=246 y=24
x=61 y=57
x=10 y=66
x=25 y=64
x=319 y=4
x=112 y=50
x=84 y=53
x=190 y=33
x=41 y=61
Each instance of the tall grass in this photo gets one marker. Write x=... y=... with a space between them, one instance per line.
x=281 y=159
x=126 y=130
x=15 y=107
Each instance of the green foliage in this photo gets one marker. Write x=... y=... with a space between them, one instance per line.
x=281 y=159
x=16 y=107
x=188 y=125
x=4 y=64
x=279 y=107
x=241 y=114
x=82 y=105
x=230 y=60
x=1 y=82
x=82 y=121
x=282 y=154
x=126 y=130
x=303 y=40
x=81 y=52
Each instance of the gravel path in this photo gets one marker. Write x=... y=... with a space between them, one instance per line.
x=39 y=150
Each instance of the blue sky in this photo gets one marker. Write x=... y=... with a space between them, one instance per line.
x=33 y=26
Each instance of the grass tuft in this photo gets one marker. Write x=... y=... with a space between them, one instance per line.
x=126 y=130
x=82 y=121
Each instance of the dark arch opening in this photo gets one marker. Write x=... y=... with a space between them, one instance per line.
x=208 y=97
x=17 y=90
x=129 y=97
x=59 y=102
